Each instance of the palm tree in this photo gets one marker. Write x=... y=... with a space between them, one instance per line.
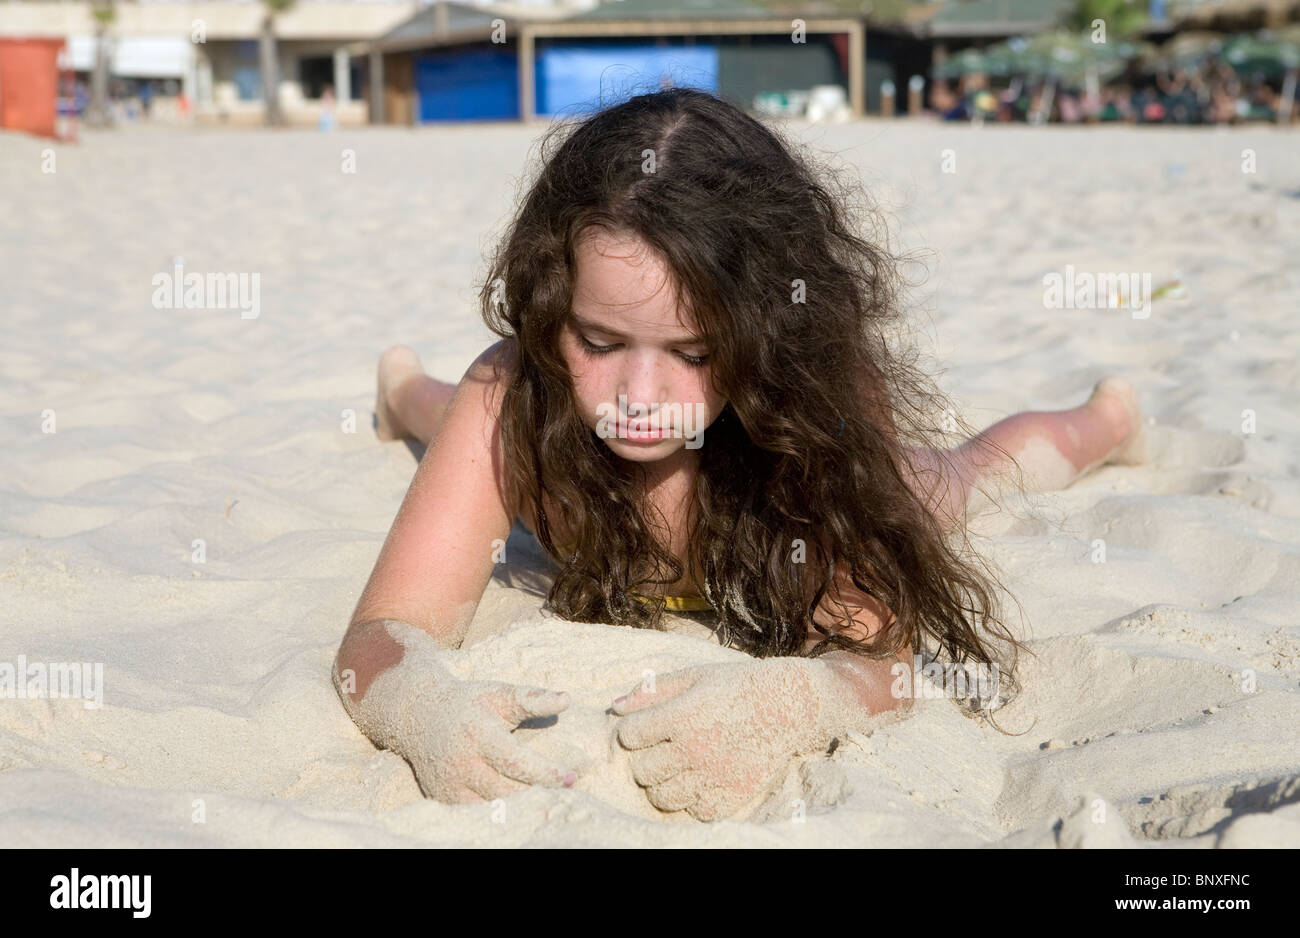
x=270 y=61
x=99 y=114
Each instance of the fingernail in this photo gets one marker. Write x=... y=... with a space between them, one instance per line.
x=620 y=699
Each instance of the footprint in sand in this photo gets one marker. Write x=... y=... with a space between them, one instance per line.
x=1195 y=462
x=1177 y=448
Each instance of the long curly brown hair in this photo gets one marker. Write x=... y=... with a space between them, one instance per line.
x=804 y=472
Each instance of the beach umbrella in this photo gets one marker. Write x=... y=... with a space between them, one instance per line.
x=1060 y=53
x=1014 y=57
x=1265 y=54
x=965 y=62
x=1117 y=55
x=1071 y=56
x=998 y=59
x=1185 y=50
x=1272 y=54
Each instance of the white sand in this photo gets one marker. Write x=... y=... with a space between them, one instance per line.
x=177 y=425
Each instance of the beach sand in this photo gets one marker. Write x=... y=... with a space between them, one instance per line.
x=1161 y=709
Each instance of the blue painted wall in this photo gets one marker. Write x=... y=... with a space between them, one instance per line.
x=577 y=78
x=468 y=84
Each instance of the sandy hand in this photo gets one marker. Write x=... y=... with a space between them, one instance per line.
x=455 y=734
x=709 y=739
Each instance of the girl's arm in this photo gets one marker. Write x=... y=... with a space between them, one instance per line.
x=438 y=556
x=714 y=738
x=421 y=597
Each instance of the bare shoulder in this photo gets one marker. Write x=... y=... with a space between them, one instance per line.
x=470 y=434
x=487 y=377
x=494 y=369
x=497 y=362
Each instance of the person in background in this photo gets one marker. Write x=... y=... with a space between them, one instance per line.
x=1262 y=103
x=328 y=119
x=1147 y=106
x=1070 y=108
x=1091 y=105
x=942 y=98
x=1014 y=101
x=1223 y=107
x=1111 y=110
x=961 y=109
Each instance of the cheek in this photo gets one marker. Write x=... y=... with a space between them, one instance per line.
x=587 y=398
x=713 y=401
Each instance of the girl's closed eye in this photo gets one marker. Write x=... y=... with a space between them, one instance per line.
x=696 y=361
x=594 y=349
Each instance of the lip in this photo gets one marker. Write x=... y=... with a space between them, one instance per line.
x=644 y=434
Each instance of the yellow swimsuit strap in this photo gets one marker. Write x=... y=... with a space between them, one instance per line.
x=678 y=603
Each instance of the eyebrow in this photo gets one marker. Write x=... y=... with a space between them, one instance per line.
x=597 y=327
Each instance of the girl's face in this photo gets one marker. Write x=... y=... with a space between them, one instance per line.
x=641 y=376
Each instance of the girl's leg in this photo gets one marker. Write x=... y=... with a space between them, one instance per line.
x=408 y=403
x=1053 y=448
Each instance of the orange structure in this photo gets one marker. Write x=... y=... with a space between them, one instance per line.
x=29 y=84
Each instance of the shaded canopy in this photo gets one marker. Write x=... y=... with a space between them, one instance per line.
x=1060 y=54
x=1269 y=53
x=1185 y=50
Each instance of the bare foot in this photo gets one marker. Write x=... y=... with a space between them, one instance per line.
x=396 y=366
x=1115 y=397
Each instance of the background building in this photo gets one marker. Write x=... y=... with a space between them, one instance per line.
x=459 y=62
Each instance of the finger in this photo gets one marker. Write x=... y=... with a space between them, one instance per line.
x=679 y=792
x=663 y=688
x=655 y=724
x=461 y=794
x=643 y=729
x=489 y=784
x=707 y=810
x=444 y=789
x=511 y=758
x=656 y=765
x=515 y=703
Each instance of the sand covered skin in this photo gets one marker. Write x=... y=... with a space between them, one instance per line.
x=1162 y=707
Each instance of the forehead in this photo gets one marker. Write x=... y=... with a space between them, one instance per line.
x=623 y=284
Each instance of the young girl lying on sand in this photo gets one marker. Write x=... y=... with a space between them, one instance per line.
x=693 y=406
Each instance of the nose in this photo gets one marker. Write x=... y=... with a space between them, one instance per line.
x=644 y=381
